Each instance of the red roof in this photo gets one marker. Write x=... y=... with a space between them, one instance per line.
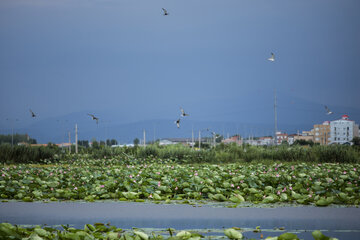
x=345 y=117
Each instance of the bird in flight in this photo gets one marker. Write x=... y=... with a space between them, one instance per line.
x=32 y=113
x=183 y=114
x=328 y=112
x=272 y=58
x=94 y=118
x=165 y=12
x=178 y=123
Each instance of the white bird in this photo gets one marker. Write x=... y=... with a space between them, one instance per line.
x=32 y=113
x=328 y=112
x=165 y=12
x=178 y=123
x=272 y=58
x=94 y=118
x=183 y=114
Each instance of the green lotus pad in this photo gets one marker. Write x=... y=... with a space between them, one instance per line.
x=92 y=180
x=107 y=232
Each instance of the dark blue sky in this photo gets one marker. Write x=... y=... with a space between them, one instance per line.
x=125 y=61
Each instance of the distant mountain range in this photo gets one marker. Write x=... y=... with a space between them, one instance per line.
x=294 y=115
x=48 y=130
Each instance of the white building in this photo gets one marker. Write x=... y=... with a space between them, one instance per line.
x=266 y=141
x=342 y=131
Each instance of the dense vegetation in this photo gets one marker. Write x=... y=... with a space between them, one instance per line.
x=319 y=175
x=109 y=178
x=181 y=154
x=108 y=232
x=16 y=138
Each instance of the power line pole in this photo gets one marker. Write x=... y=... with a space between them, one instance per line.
x=275 y=116
x=199 y=139
x=69 y=143
x=192 y=137
x=144 y=138
x=154 y=133
x=76 y=139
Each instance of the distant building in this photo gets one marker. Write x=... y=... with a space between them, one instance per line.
x=280 y=137
x=308 y=133
x=165 y=142
x=253 y=142
x=342 y=131
x=306 y=138
x=291 y=139
x=234 y=139
x=266 y=141
x=322 y=133
x=183 y=141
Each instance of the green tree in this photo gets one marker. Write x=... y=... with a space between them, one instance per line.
x=356 y=141
x=95 y=144
x=303 y=142
x=136 y=141
x=83 y=143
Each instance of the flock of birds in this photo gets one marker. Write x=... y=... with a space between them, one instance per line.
x=183 y=114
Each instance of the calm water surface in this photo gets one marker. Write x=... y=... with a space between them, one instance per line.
x=343 y=223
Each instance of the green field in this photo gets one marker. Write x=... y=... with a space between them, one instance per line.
x=89 y=179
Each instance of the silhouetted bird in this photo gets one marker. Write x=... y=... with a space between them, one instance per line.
x=178 y=123
x=272 y=58
x=183 y=114
x=32 y=114
x=165 y=12
x=94 y=118
x=328 y=112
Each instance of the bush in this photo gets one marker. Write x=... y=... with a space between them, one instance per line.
x=27 y=154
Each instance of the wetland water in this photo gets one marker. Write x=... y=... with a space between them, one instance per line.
x=341 y=222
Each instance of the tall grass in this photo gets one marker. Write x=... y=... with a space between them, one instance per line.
x=25 y=154
x=181 y=154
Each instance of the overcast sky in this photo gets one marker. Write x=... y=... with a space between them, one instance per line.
x=208 y=56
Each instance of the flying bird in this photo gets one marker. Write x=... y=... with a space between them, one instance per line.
x=328 y=112
x=178 y=123
x=94 y=118
x=272 y=58
x=165 y=12
x=183 y=114
x=32 y=113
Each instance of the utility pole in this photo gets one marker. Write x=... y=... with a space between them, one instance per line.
x=275 y=117
x=69 y=143
x=144 y=138
x=76 y=139
x=199 y=139
x=192 y=137
x=154 y=133
x=12 y=122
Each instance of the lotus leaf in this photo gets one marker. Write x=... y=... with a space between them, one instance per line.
x=34 y=236
x=41 y=232
x=130 y=195
x=156 y=196
x=237 y=198
x=288 y=236
x=89 y=228
x=318 y=235
x=183 y=235
x=322 y=202
x=142 y=235
x=218 y=197
x=233 y=234
x=112 y=236
x=269 y=199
